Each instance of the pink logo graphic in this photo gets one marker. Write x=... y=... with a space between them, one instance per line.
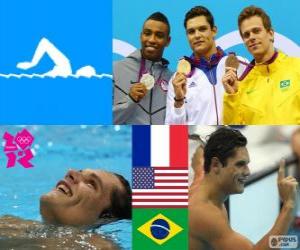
x=17 y=148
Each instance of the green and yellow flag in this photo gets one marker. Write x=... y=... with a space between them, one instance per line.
x=160 y=228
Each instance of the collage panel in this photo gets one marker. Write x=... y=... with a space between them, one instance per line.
x=160 y=187
x=226 y=73
x=243 y=191
x=55 y=62
x=192 y=78
x=65 y=187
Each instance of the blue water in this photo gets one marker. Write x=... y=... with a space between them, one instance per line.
x=58 y=148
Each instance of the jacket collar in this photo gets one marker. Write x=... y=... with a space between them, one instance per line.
x=277 y=55
x=271 y=60
x=203 y=63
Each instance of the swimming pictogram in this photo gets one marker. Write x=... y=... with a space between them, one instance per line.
x=62 y=65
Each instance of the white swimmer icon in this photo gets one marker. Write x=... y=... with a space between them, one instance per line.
x=62 y=66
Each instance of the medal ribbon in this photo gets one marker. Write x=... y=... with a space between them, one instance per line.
x=143 y=71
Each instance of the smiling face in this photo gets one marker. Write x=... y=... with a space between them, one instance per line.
x=201 y=36
x=258 y=40
x=80 y=198
x=154 y=39
x=233 y=176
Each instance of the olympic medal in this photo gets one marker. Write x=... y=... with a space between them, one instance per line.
x=184 y=67
x=232 y=61
x=148 y=80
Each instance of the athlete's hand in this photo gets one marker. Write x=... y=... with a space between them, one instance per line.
x=230 y=81
x=138 y=91
x=287 y=186
x=179 y=84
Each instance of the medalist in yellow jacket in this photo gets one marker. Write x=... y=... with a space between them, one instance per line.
x=267 y=94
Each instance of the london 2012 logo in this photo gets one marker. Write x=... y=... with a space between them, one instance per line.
x=18 y=148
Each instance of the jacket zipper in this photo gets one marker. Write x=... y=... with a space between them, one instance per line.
x=214 y=91
x=216 y=108
x=268 y=85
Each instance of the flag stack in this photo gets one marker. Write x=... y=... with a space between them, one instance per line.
x=160 y=187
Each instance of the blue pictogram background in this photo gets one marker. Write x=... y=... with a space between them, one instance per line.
x=82 y=31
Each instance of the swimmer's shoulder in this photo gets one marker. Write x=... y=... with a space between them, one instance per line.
x=207 y=219
x=209 y=226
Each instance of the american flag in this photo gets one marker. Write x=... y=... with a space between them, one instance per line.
x=160 y=166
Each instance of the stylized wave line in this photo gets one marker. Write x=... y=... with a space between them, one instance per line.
x=99 y=76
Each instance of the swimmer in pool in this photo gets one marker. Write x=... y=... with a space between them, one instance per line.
x=226 y=170
x=85 y=199
x=20 y=234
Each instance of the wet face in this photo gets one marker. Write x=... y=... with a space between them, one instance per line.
x=201 y=36
x=80 y=198
x=154 y=39
x=233 y=176
x=258 y=40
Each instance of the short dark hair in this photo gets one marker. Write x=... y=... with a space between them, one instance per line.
x=251 y=11
x=158 y=16
x=121 y=200
x=199 y=11
x=222 y=144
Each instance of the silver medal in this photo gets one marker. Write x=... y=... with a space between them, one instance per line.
x=148 y=80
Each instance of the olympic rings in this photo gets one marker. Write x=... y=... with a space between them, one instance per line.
x=24 y=139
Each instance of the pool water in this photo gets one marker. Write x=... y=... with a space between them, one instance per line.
x=58 y=148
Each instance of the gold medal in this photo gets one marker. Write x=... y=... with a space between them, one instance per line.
x=184 y=67
x=148 y=80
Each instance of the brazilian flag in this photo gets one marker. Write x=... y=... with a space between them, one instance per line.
x=160 y=228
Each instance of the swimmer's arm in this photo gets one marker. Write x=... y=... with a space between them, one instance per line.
x=11 y=226
x=280 y=227
x=287 y=187
x=215 y=230
x=16 y=232
x=219 y=235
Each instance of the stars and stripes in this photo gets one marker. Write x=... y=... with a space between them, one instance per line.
x=160 y=170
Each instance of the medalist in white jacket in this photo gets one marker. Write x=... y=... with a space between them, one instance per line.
x=204 y=97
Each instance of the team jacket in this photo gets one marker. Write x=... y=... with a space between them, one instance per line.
x=267 y=94
x=151 y=109
x=204 y=98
